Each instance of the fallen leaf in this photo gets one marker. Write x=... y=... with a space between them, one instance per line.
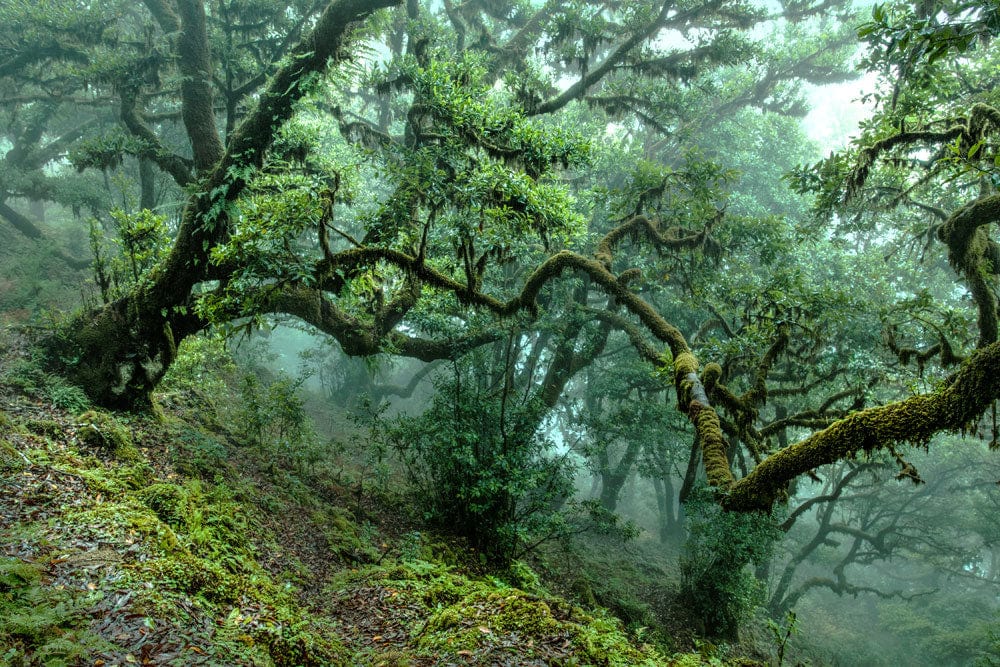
x=485 y=630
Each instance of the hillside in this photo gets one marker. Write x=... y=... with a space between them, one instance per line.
x=164 y=540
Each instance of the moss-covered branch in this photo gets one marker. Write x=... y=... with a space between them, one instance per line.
x=640 y=225
x=357 y=338
x=975 y=256
x=955 y=407
x=179 y=168
x=550 y=269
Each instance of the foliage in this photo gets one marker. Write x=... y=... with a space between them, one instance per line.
x=29 y=376
x=272 y=416
x=783 y=634
x=467 y=616
x=140 y=240
x=715 y=578
x=484 y=162
x=481 y=469
x=203 y=371
x=40 y=621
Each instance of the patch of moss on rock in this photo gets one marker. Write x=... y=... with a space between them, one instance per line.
x=45 y=427
x=168 y=501
x=193 y=576
x=291 y=642
x=485 y=616
x=113 y=480
x=466 y=614
x=128 y=517
x=10 y=460
x=100 y=431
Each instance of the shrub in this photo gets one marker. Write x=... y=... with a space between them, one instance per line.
x=273 y=416
x=482 y=469
x=715 y=580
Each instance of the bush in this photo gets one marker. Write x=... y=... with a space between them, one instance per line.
x=273 y=416
x=715 y=580
x=28 y=376
x=202 y=368
x=481 y=468
x=197 y=454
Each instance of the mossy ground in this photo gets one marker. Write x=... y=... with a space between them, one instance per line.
x=164 y=540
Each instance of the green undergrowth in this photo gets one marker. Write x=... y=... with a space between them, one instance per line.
x=183 y=550
x=482 y=618
x=633 y=581
x=172 y=526
x=39 y=620
x=464 y=616
x=28 y=376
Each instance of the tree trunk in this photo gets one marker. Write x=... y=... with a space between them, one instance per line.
x=118 y=353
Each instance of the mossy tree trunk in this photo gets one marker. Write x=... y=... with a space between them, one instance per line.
x=119 y=352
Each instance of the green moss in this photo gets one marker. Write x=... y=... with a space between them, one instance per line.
x=465 y=614
x=44 y=427
x=711 y=374
x=685 y=363
x=136 y=475
x=520 y=575
x=125 y=517
x=111 y=479
x=168 y=501
x=193 y=576
x=713 y=446
x=342 y=534
x=99 y=430
x=10 y=460
x=291 y=642
x=484 y=615
x=205 y=519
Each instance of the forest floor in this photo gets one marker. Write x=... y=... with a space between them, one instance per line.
x=163 y=540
